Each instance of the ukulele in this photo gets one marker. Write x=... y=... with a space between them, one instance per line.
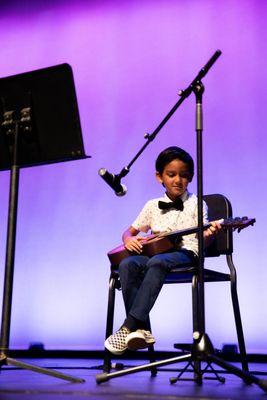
x=165 y=241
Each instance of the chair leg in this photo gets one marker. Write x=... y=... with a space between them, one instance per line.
x=237 y=315
x=113 y=284
x=110 y=319
x=151 y=352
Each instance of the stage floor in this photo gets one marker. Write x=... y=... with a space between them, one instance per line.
x=28 y=385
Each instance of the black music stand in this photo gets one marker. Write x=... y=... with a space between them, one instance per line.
x=39 y=124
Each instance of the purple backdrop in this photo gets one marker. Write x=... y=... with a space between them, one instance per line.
x=129 y=60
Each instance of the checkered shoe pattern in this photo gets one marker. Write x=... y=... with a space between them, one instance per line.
x=116 y=343
x=139 y=339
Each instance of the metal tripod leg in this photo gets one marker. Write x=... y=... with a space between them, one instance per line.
x=41 y=370
x=105 y=377
x=198 y=373
x=246 y=376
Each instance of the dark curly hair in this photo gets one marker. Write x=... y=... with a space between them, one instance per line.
x=173 y=153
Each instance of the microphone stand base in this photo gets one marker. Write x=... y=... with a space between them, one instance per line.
x=202 y=351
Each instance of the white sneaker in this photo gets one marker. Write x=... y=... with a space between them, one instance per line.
x=139 y=339
x=116 y=343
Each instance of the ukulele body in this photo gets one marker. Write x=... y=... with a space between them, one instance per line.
x=151 y=245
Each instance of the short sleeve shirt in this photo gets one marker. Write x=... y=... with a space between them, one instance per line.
x=157 y=220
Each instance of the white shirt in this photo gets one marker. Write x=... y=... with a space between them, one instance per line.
x=157 y=220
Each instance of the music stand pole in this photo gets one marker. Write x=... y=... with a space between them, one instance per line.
x=13 y=132
x=10 y=249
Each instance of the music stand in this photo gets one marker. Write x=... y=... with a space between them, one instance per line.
x=39 y=124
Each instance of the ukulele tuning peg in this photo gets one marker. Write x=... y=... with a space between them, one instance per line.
x=244 y=218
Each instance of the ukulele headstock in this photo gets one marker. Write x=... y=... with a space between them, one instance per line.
x=238 y=223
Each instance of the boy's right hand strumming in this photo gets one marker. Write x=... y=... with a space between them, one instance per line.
x=131 y=241
x=134 y=243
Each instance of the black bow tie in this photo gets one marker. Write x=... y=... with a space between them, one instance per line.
x=177 y=204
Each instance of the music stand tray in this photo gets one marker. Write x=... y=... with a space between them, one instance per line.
x=39 y=124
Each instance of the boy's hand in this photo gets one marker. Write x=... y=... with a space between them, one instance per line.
x=133 y=243
x=213 y=229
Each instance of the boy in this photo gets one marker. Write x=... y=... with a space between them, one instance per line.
x=142 y=277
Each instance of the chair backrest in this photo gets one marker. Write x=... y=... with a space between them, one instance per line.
x=219 y=207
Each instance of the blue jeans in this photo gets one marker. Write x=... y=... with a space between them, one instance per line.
x=142 y=279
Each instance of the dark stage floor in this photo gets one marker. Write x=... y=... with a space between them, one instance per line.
x=27 y=385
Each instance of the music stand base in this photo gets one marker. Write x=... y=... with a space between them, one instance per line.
x=202 y=350
x=20 y=364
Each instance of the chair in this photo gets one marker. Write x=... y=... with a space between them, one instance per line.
x=218 y=207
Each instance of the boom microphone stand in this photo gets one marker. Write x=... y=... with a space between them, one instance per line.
x=202 y=348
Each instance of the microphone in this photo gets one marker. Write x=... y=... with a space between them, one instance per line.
x=113 y=181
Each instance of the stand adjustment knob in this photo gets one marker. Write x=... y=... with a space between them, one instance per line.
x=196 y=335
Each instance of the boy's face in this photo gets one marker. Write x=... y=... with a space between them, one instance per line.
x=175 y=177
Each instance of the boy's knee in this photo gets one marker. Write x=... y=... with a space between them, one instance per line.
x=128 y=263
x=124 y=264
x=159 y=262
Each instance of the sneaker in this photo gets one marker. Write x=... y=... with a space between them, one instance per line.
x=139 y=339
x=116 y=343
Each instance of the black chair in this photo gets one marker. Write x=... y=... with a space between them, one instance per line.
x=218 y=207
